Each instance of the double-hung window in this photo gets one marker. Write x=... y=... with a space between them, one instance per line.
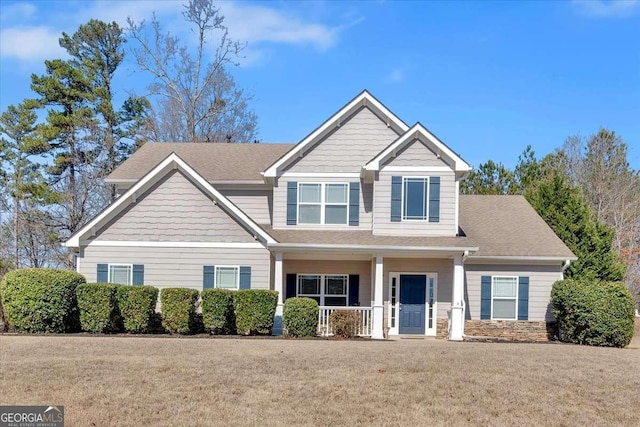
x=321 y=203
x=326 y=289
x=227 y=277
x=121 y=274
x=504 y=297
x=415 y=198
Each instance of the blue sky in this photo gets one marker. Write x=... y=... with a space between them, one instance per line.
x=489 y=78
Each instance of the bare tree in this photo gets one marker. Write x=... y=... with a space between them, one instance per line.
x=598 y=166
x=196 y=97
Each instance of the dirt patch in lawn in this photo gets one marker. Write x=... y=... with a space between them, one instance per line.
x=107 y=381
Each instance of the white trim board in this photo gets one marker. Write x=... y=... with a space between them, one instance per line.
x=146 y=244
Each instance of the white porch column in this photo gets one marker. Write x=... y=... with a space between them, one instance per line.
x=378 y=309
x=456 y=329
x=278 y=286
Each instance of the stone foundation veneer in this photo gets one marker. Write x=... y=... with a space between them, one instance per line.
x=504 y=330
x=512 y=330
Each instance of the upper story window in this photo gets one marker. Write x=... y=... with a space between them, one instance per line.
x=322 y=203
x=415 y=198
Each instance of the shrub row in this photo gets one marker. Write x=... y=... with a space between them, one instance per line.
x=593 y=312
x=49 y=300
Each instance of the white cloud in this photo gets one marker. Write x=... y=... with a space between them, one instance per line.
x=607 y=8
x=30 y=44
x=36 y=38
x=396 y=75
x=256 y=24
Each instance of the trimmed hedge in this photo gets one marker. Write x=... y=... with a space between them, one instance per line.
x=41 y=299
x=344 y=323
x=300 y=317
x=217 y=311
x=137 y=305
x=179 y=310
x=593 y=312
x=254 y=310
x=98 y=306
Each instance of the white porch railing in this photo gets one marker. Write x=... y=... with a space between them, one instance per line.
x=364 y=326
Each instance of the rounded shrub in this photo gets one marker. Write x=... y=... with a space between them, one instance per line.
x=218 y=316
x=254 y=311
x=41 y=299
x=179 y=310
x=137 y=306
x=344 y=323
x=593 y=312
x=98 y=307
x=300 y=317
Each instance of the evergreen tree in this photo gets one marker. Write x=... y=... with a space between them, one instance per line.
x=564 y=210
x=23 y=181
x=97 y=50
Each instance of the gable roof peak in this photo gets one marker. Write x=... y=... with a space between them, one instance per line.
x=363 y=99
x=418 y=131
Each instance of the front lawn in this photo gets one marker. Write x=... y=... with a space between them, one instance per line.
x=166 y=381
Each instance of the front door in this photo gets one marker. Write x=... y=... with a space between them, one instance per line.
x=413 y=290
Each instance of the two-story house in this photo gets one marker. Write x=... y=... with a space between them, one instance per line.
x=364 y=214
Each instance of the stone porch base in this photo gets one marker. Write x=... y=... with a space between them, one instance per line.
x=510 y=330
x=507 y=330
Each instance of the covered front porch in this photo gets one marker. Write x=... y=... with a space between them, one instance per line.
x=406 y=292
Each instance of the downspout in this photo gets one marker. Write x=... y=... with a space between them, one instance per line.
x=566 y=265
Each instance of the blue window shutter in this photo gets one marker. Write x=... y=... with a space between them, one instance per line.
x=434 y=199
x=523 y=298
x=102 y=275
x=245 y=277
x=208 y=274
x=396 y=198
x=292 y=202
x=291 y=286
x=354 y=203
x=354 y=289
x=485 y=297
x=138 y=274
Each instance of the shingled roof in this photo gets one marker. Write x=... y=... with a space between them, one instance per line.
x=508 y=226
x=214 y=161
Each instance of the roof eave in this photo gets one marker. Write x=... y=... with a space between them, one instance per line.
x=370 y=248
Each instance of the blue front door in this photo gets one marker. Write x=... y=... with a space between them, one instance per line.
x=412 y=303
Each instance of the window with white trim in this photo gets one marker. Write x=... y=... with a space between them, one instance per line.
x=326 y=289
x=227 y=277
x=504 y=297
x=121 y=274
x=415 y=198
x=323 y=203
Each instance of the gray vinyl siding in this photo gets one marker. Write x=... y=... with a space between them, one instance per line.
x=280 y=204
x=177 y=267
x=255 y=203
x=442 y=267
x=382 y=224
x=358 y=139
x=541 y=279
x=416 y=153
x=362 y=268
x=174 y=210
